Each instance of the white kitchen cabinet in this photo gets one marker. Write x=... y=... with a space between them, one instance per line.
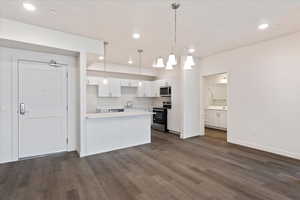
x=141 y=90
x=103 y=89
x=223 y=119
x=111 y=89
x=155 y=89
x=115 y=87
x=163 y=83
x=216 y=118
x=92 y=80
x=147 y=89
x=129 y=83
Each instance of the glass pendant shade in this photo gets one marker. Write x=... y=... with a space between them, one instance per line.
x=105 y=81
x=172 y=59
x=169 y=66
x=190 y=60
x=160 y=63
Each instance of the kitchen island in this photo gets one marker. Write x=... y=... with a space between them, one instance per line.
x=112 y=131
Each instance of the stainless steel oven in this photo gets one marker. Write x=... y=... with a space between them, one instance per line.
x=165 y=91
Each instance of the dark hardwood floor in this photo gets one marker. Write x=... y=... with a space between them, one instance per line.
x=169 y=168
x=216 y=134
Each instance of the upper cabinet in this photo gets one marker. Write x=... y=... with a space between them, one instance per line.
x=111 y=89
x=129 y=83
x=148 y=89
x=113 y=86
x=92 y=80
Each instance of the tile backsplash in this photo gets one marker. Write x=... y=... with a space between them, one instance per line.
x=128 y=94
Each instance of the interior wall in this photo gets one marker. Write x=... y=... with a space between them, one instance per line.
x=8 y=104
x=191 y=85
x=263 y=94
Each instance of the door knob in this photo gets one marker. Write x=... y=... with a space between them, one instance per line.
x=22 y=109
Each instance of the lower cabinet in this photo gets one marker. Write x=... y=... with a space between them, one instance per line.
x=216 y=118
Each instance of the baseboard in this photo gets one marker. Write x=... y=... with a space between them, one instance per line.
x=265 y=148
x=215 y=127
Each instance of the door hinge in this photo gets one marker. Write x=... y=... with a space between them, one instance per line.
x=67 y=107
x=67 y=75
x=67 y=140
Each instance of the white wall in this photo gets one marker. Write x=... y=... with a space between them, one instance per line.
x=8 y=98
x=25 y=33
x=263 y=94
x=191 y=85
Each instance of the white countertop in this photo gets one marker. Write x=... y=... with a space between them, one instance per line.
x=117 y=114
x=217 y=108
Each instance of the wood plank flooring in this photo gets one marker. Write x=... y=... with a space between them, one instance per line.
x=169 y=168
x=216 y=134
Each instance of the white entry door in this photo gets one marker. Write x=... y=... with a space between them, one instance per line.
x=42 y=109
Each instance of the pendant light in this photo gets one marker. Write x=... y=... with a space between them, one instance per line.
x=189 y=62
x=169 y=66
x=140 y=51
x=172 y=58
x=105 y=80
x=160 y=63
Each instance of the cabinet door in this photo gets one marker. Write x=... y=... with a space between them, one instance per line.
x=147 y=89
x=103 y=89
x=134 y=83
x=156 y=89
x=211 y=117
x=125 y=83
x=114 y=87
x=141 y=90
x=223 y=119
x=91 y=80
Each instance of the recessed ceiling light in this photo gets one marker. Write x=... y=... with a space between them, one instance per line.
x=263 y=26
x=192 y=50
x=29 y=6
x=101 y=57
x=136 y=36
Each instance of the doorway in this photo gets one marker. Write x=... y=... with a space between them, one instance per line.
x=42 y=108
x=215 y=106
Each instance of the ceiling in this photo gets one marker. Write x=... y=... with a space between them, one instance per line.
x=210 y=26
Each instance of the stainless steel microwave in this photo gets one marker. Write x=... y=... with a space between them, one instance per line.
x=165 y=91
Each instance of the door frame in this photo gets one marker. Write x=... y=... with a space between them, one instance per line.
x=15 y=100
x=202 y=96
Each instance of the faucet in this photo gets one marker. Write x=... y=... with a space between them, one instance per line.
x=129 y=104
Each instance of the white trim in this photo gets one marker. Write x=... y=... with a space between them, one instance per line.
x=265 y=148
x=202 y=107
x=83 y=128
